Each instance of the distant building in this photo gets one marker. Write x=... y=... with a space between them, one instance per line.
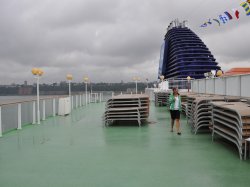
x=25 y=90
x=62 y=92
x=237 y=71
x=129 y=90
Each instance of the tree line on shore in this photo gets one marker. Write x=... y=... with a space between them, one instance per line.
x=62 y=88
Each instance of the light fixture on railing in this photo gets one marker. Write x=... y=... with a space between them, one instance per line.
x=69 y=77
x=161 y=83
x=162 y=78
x=188 y=79
x=86 y=80
x=37 y=74
x=213 y=73
x=147 y=82
x=219 y=73
x=136 y=79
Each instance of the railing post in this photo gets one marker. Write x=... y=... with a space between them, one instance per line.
x=198 y=85
x=80 y=100
x=19 y=114
x=100 y=97
x=240 y=85
x=90 y=97
x=1 y=122
x=76 y=101
x=214 y=85
x=54 y=107
x=43 y=110
x=72 y=102
x=34 y=112
x=225 y=85
x=205 y=83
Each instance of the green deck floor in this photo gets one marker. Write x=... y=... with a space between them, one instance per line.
x=77 y=151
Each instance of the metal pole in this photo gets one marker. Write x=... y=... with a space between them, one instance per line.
x=86 y=93
x=54 y=107
x=38 y=100
x=34 y=112
x=80 y=100
x=43 y=110
x=76 y=101
x=19 y=112
x=1 y=134
x=70 y=99
x=136 y=86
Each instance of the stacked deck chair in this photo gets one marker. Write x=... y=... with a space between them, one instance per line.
x=161 y=98
x=184 y=96
x=201 y=111
x=231 y=121
x=190 y=108
x=127 y=108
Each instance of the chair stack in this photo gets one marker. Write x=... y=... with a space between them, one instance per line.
x=190 y=109
x=161 y=98
x=231 y=120
x=184 y=96
x=199 y=110
x=127 y=108
x=202 y=112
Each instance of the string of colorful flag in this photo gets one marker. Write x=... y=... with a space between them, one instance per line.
x=226 y=16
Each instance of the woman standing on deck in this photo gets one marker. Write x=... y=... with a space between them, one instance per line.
x=175 y=109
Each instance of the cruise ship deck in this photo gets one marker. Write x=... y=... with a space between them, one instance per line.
x=77 y=150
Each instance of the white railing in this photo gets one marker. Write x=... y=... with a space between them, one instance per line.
x=16 y=114
x=238 y=85
x=179 y=83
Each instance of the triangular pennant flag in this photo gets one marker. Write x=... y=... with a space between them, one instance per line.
x=223 y=19
x=216 y=20
x=229 y=15
x=204 y=25
x=236 y=13
x=209 y=22
x=246 y=7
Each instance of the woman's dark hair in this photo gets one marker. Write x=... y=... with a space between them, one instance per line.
x=175 y=89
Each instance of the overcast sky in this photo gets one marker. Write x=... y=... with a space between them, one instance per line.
x=108 y=40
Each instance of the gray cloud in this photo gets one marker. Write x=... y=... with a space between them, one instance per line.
x=109 y=40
